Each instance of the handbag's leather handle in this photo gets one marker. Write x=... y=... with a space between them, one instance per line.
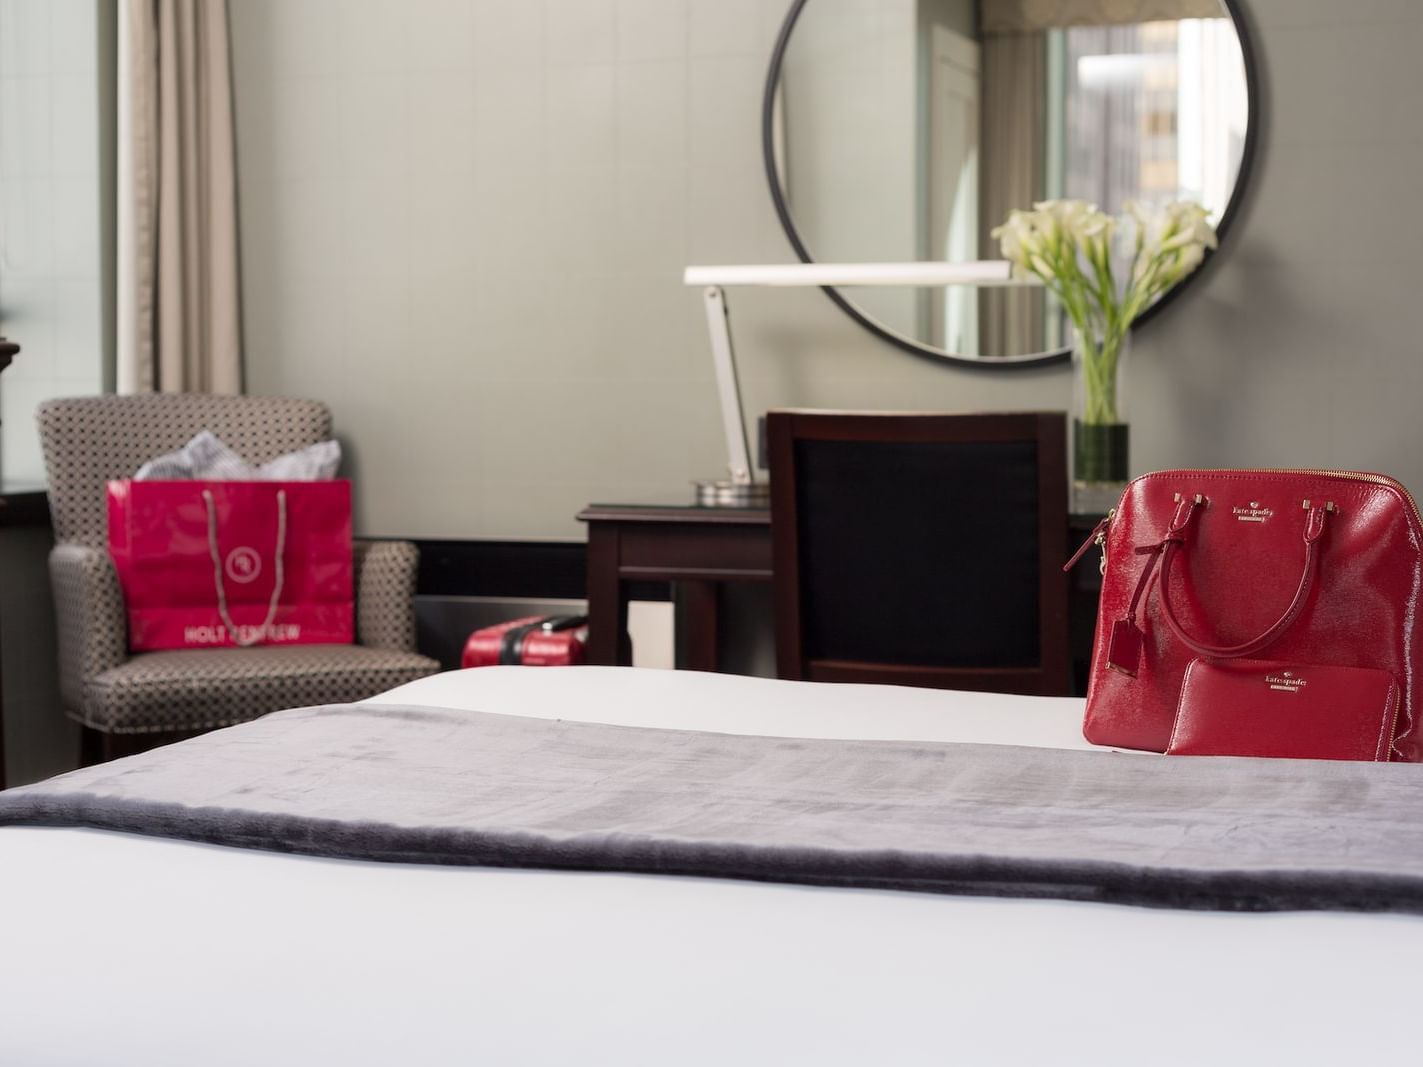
x=1313 y=531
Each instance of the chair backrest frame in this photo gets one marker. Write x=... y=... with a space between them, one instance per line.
x=88 y=441
x=1046 y=431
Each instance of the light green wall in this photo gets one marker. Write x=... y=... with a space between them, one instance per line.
x=464 y=226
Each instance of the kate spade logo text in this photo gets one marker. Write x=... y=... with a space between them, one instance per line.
x=1285 y=681
x=1254 y=513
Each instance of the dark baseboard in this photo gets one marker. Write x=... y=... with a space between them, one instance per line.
x=23 y=507
x=553 y=570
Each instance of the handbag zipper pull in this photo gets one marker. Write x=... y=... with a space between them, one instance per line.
x=1097 y=537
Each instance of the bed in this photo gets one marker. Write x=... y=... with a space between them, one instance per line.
x=122 y=949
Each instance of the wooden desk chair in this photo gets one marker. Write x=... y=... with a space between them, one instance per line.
x=920 y=549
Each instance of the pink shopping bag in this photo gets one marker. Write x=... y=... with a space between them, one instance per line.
x=207 y=564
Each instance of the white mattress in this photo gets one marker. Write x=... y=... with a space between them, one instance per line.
x=128 y=950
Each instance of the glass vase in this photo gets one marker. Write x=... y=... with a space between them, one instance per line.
x=1099 y=419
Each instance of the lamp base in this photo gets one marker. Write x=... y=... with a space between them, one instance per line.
x=724 y=494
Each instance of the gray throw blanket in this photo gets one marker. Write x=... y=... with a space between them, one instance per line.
x=428 y=785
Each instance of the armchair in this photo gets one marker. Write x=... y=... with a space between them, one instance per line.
x=127 y=702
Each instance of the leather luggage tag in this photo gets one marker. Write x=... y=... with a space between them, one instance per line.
x=1294 y=711
x=1124 y=648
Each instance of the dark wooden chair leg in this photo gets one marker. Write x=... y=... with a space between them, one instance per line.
x=95 y=746
x=90 y=746
x=116 y=746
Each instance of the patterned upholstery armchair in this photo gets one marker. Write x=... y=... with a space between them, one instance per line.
x=125 y=703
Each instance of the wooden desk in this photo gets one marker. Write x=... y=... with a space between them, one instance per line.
x=698 y=548
x=702 y=548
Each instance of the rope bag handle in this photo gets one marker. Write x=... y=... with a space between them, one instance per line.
x=213 y=551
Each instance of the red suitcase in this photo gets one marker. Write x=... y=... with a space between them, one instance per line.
x=534 y=641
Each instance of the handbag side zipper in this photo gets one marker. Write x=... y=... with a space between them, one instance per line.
x=1097 y=537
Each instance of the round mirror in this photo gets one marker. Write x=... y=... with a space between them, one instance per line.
x=900 y=130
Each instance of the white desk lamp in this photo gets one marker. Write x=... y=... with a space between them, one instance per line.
x=742 y=489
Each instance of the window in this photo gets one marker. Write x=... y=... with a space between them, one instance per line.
x=54 y=251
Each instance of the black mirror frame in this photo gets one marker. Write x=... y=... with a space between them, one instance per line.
x=1034 y=359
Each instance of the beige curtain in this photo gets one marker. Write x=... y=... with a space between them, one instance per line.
x=1013 y=175
x=177 y=212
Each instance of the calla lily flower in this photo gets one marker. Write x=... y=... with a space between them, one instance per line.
x=1068 y=245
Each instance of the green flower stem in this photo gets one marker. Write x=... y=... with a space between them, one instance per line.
x=1068 y=245
x=1101 y=356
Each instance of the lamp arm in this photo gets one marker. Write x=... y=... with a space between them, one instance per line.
x=733 y=419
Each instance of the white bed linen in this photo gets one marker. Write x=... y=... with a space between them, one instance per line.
x=118 y=949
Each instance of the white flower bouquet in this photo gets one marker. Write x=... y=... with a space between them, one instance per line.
x=1068 y=245
x=1072 y=247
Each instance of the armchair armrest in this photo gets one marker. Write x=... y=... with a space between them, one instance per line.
x=384 y=573
x=89 y=611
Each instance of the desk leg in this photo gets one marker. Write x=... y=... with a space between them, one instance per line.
x=701 y=647
x=607 y=604
x=2 y=731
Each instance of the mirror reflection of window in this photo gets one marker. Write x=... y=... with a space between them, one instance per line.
x=910 y=128
x=1155 y=111
x=1152 y=111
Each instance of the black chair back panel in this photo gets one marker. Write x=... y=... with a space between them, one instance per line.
x=872 y=518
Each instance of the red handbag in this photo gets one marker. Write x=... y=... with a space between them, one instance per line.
x=207 y=564
x=1312 y=568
